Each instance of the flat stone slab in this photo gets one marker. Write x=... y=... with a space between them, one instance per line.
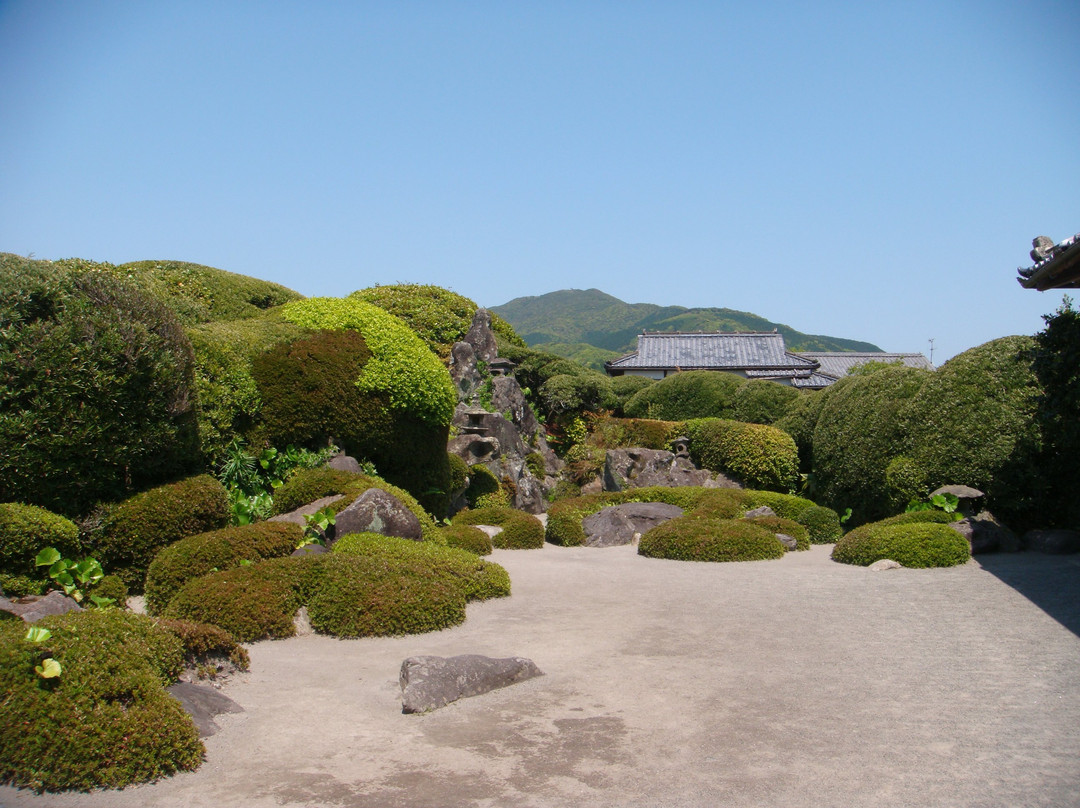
x=202 y=703
x=623 y=524
x=431 y=682
x=34 y=607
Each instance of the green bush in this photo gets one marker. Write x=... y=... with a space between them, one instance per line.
x=25 y=530
x=689 y=538
x=691 y=394
x=198 y=555
x=823 y=524
x=106 y=721
x=777 y=524
x=787 y=506
x=911 y=544
x=761 y=401
x=520 y=531
x=467 y=537
x=110 y=586
x=131 y=532
x=618 y=433
x=624 y=387
x=96 y=397
x=459 y=473
x=576 y=394
x=800 y=420
x=201 y=640
x=482 y=483
x=759 y=456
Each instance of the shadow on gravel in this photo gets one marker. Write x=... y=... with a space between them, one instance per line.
x=1051 y=582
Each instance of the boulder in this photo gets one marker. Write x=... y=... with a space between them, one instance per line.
x=624 y=524
x=309 y=549
x=297 y=516
x=1053 y=542
x=885 y=564
x=202 y=703
x=481 y=337
x=764 y=510
x=343 y=462
x=637 y=468
x=463 y=370
x=474 y=448
x=789 y=542
x=431 y=682
x=986 y=534
x=376 y=511
x=34 y=607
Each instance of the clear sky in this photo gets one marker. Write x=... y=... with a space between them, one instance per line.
x=867 y=170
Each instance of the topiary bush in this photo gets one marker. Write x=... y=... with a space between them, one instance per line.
x=689 y=538
x=106 y=720
x=96 y=397
x=788 y=506
x=482 y=484
x=195 y=556
x=800 y=420
x=761 y=401
x=467 y=537
x=624 y=387
x=691 y=394
x=823 y=524
x=911 y=544
x=520 y=531
x=201 y=642
x=25 y=530
x=112 y=587
x=789 y=527
x=130 y=533
x=759 y=456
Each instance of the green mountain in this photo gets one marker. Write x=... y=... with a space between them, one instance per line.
x=591 y=326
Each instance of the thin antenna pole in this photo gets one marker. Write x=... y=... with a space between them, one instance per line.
x=931 y=350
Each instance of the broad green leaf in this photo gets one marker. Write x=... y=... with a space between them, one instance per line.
x=38 y=634
x=47 y=557
x=48 y=669
x=101 y=602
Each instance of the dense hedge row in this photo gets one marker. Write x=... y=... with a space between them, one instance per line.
x=757 y=455
x=691 y=394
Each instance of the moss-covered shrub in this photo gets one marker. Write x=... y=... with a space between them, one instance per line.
x=692 y=394
x=789 y=527
x=201 y=641
x=132 y=532
x=96 y=395
x=520 y=531
x=608 y=432
x=689 y=538
x=911 y=544
x=106 y=721
x=467 y=537
x=195 y=556
x=759 y=456
x=112 y=587
x=823 y=524
x=761 y=401
x=482 y=483
x=25 y=530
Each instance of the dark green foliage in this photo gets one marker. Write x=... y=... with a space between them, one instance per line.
x=777 y=524
x=911 y=544
x=520 y=531
x=459 y=473
x=761 y=401
x=576 y=393
x=200 y=640
x=823 y=524
x=467 y=537
x=25 y=530
x=757 y=455
x=905 y=480
x=624 y=387
x=111 y=586
x=106 y=721
x=133 y=531
x=482 y=483
x=96 y=397
x=800 y=420
x=860 y=429
x=689 y=538
x=692 y=394
x=973 y=423
x=223 y=549
x=788 y=506
x=534 y=462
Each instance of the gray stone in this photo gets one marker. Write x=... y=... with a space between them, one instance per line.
x=507 y=398
x=309 y=549
x=463 y=370
x=529 y=494
x=885 y=564
x=638 y=468
x=594 y=486
x=431 y=682
x=1053 y=542
x=34 y=607
x=343 y=462
x=959 y=491
x=297 y=516
x=624 y=524
x=481 y=337
x=376 y=511
x=985 y=534
x=764 y=510
x=474 y=448
x=202 y=703
x=789 y=542
x=302 y=623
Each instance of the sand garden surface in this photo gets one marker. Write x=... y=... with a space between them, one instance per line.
x=796 y=682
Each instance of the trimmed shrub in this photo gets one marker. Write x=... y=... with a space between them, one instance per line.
x=106 y=721
x=576 y=393
x=467 y=537
x=111 y=586
x=788 y=506
x=759 y=456
x=800 y=420
x=132 y=532
x=482 y=483
x=689 y=538
x=26 y=530
x=459 y=473
x=624 y=387
x=911 y=544
x=96 y=395
x=761 y=401
x=195 y=556
x=777 y=524
x=691 y=394
x=520 y=531
x=823 y=524
x=619 y=433
x=201 y=640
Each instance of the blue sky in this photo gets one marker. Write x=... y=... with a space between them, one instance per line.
x=866 y=170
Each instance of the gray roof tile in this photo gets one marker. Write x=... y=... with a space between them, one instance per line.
x=840 y=364
x=725 y=351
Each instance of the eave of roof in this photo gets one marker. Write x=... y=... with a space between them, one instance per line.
x=1060 y=271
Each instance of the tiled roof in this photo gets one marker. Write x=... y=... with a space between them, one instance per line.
x=815 y=381
x=838 y=364
x=714 y=351
x=1055 y=268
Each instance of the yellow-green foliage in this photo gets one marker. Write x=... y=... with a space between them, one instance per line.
x=690 y=538
x=520 y=531
x=467 y=537
x=822 y=523
x=106 y=721
x=761 y=401
x=197 y=555
x=25 y=530
x=401 y=365
x=608 y=432
x=692 y=394
x=133 y=531
x=757 y=455
x=910 y=543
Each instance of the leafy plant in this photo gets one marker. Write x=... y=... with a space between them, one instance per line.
x=318 y=524
x=944 y=502
x=48 y=668
x=73 y=576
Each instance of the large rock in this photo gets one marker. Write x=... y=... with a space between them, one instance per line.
x=986 y=534
x=431 y=682
x=1053 y=542
x=344 y=462
x=481 y=337
x=624 y=524
x=376 y=511
x=463 y=370
x=34 y=607
x=638 y=468
x=202 y=703
x=297 y=516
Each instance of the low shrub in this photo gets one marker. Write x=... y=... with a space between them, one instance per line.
x=608 y=432
x=777 y=524
x=689 y=538
x=113 y=587
x=467 y=537
x=198 y=555
x=106 y=720
x=25 y=530
x=459 y=474
x=691 y=394
x=823 y=524
x=911 y=544
x=788 y=506
x=520 y=531
x=132 y=532
x=482 y=483
x=201 y=641
x=759 y=456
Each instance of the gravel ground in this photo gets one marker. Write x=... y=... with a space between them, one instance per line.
x=796 y=682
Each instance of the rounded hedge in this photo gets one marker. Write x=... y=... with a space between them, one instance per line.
x=25 y=530
x=467 y=537
x=691 y=394
x=195 y=556
x=132 y=532
x=689 y=538
x=106 y=721
x=520 y=531
x=823 y=524
x=789 y=527
x=201 y=641
x=761 y=401
x=911 y=544
x=759 y=456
